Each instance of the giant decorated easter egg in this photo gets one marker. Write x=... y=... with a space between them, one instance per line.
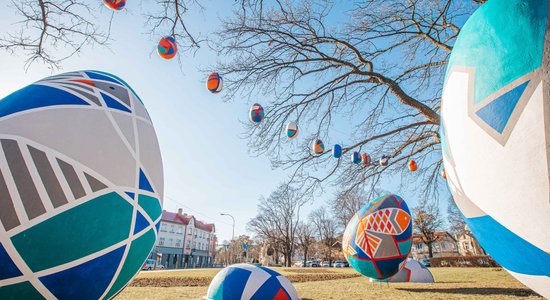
x=249 y=282
x=496 y=134
x=377 y=239
x=81 y=186
x=413 y=271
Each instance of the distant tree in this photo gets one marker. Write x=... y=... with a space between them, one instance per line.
x=305 y=238
x=347 y=202
x=326 y=230
x=427 y=221
x=278 y=218
x=457 y=225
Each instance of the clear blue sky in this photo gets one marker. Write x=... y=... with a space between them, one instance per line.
x=206 y=164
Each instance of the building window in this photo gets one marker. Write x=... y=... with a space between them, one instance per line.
x=163 y=227
x=170 y=242
x=418 y=246
x=171 y=228
x=179 y=230
x=161 y=241
x=178 y=243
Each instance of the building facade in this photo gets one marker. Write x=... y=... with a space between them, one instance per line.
x=468 y=245
x=445 y=245
x=184 y=242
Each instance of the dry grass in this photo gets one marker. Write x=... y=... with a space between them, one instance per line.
x=451 y=283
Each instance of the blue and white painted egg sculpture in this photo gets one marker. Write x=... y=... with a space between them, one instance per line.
x=495 y=134
x=81 y=186
x=247 y=282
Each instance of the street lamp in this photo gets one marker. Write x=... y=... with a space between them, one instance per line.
x=233 y=236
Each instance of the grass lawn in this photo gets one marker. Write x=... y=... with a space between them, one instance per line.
x=451 y=283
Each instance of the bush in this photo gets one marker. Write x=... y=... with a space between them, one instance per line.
x=464 y=261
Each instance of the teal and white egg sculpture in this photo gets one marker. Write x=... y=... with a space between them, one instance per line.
x=496 y=134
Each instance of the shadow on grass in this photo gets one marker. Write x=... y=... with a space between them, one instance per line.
x=475 y=291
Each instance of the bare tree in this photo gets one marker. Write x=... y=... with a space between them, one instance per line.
x=169 y=19
x=457 y=225
x=382 y=69
x=278 y=218
x=326 y=230
x=305 y=238
x=52 y=31
x=427 y=221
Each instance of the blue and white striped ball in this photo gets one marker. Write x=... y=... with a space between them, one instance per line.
x=244 y=281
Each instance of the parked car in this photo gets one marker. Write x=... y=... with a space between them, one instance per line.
x=426 y=262
x=326 y=264
x=338 y=264
x=315 y=263
x=149 y=264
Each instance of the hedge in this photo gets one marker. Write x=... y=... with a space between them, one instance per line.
x=464 y=261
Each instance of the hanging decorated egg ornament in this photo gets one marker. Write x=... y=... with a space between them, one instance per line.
x=355 y=157
x=366 y=159
x=318 y=147
x=214 y=83
x=412 y=165
x=256 y=113
x=337 y=151
x=167 y=47
x=292 y=130
x=443 y=174
x=115 y=4
x=384 y=160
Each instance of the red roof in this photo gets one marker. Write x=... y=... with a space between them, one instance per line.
x=184 y=220
x=175 y=218
x=203 y=226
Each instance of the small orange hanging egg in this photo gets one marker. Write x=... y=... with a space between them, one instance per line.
x=412 y=165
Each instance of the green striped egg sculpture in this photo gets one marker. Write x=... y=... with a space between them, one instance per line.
x=81 y=186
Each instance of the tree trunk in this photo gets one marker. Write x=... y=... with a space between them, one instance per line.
x=289 y=261
x=305 y=257
x=430 y=250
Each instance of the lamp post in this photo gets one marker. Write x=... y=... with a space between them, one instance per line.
x=233 y=236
